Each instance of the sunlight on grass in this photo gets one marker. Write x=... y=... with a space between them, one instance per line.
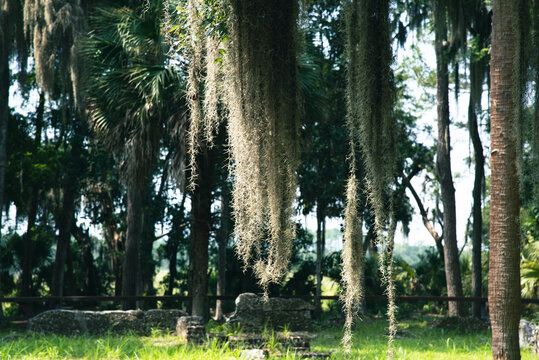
x=416 y=340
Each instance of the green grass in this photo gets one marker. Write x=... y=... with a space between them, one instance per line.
x=417 y=341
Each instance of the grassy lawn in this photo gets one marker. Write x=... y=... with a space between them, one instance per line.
x=416 y=340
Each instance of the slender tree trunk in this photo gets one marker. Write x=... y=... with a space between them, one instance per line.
x=4 y=117
x=114 y=239
x=172 y=245
x=147 y=263
x=26 y=276
x=319 y=221
x=200 y=233
x=4 y=109
x=504 y=259
x=224 y=234
x=70 y=287
x=65 y=221
x=443 y=162
x=134 y=232
x=477 y=191
x=430 y=228
x=87 y=261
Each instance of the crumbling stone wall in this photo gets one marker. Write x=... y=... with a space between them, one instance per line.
x=78 y=322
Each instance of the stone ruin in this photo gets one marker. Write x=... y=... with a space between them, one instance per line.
x=528 y=334
x=253 y=313
x=79 y=322
x=191 y=329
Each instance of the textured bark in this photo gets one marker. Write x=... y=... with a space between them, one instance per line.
x=504 y=271
x=134 y=232
x=223 y=235
x=443 y=162
x=200 y=233
x=476 y=193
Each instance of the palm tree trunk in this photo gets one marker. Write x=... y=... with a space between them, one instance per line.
x=134 y=232
x=224 y=234
x=198 y=247
x=443 y=162
x=504 y=259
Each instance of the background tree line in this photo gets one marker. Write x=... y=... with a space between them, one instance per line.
x=99 y=139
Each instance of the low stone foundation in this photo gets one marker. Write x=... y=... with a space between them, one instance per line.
x=252 y=313
x=78 y=322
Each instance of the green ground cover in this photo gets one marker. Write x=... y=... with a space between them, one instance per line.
x=416 y=340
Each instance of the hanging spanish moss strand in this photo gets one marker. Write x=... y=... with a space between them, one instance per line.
x=386 y=268
x=352 y=262
x=262 y=100
x=376 y=98
x=370 y=99
x=195 y=47
x=352 y=254
x=212 y=88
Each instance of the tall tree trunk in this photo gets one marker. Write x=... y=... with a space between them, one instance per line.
x=223 y=235
x=114 y=239
x=443 y=162
x=504 y=259
x=147 y=263
x=134 y=232
x=319 y=222
x=65 y=221
x=477 y=190
x=200 y=233
x=87 y=260
x=4 y=117
x=172 y=245
x=5 y=44
x=26 y=276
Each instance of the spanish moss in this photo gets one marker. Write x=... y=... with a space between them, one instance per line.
x=262 y=101
x=195 y=46
x=370 y=99
x=49 y=23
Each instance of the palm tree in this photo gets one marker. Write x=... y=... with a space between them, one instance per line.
x=504 y=274
x=133 y=92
